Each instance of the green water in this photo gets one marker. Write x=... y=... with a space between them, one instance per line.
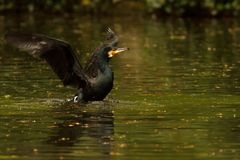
x=176 y=92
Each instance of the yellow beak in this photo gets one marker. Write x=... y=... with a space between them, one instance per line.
x=115 y=51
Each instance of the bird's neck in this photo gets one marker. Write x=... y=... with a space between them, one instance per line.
x=103 y=64
x=97 y=65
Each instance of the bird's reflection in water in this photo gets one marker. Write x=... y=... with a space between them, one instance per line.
x=83 y=125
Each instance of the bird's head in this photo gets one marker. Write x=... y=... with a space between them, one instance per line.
x=111 y=40
x=113 y=51
x=109 y=48
x=107 y=52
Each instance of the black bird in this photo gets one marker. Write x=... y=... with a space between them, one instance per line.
x=93 y=82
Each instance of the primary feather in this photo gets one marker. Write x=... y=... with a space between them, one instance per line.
x=58 y=54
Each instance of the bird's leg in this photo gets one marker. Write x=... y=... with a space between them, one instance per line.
x=78 y=97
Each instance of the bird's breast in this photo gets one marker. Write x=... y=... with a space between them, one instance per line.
x=100 y=85
x=103 y=80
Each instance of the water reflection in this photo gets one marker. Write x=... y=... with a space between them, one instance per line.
x=75 y=124
x=177 y=91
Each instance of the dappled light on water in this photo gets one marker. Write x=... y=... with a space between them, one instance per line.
x=176 y=93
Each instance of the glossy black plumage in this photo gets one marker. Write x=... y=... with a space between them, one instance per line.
x=93 y=82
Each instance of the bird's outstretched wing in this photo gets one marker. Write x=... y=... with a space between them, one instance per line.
x=58 y=54
x=111 y=38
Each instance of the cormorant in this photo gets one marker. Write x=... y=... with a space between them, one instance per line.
x=93 y=82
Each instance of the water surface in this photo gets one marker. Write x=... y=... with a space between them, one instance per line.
x=176 y=92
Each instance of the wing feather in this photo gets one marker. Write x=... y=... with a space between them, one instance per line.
x=111 y=38
x=58 y=54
